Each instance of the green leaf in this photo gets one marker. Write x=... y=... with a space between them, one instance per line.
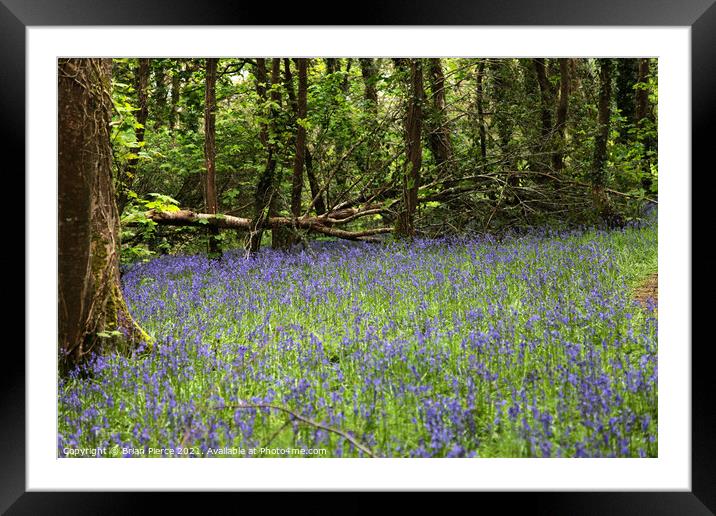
x=109 y=334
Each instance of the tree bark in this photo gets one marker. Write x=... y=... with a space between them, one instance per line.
x=481 y=112
x=546 y=95
x=627 y=76
x=93 y=316
x=599 y=174
x=280 y=236
x=501 y=118
x=320 y=204
x=299 y=156
x=439 y=131
x=265 y=183
x=288 y=83
x=160 y=92
x=176 y=91
x=562 y=108
x=641 y=94
x=643 y=115
x=414 y=150
x=345 y=85
x=369 y=71
x=211 y=200
x=331 y=65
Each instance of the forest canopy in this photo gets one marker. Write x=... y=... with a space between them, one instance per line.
x=245 y=152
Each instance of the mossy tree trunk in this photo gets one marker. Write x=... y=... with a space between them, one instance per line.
x=93 y=316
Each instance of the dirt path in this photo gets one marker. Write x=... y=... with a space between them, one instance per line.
x=649 y=289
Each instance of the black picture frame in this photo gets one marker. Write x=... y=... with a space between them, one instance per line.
x=700 y=15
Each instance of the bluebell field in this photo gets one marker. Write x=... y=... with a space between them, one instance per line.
x=528 y=346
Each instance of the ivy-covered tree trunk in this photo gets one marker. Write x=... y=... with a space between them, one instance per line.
x=141 y=84
x=280 y=236
x=369 y=72
x=641 y=94
x=265 y=189
x=92 y=314
x=300 y=151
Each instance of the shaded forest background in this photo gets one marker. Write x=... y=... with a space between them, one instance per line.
x=287 y=149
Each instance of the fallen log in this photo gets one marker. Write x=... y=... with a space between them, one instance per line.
x=318 y=224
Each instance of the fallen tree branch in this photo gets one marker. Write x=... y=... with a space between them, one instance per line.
x=303 y=419
x=319 y=224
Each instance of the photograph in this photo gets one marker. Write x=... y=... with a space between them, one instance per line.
x=357 y=257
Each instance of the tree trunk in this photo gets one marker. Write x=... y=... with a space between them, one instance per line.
x=331 y=65
x=627 y=76
x=641 y=94
x=160 y=92
x=280 y=236
x=93 y=316
x=562 y=108
x=265 y=201
x=130 y=171
x=414 y=150
x=599 y=174
x=481 y=112
x=265 y=183
x=320 y=204
x=546 y=94
x=298 y=161
x=501 y=118
x=439 y=132
x=369 y=71
x=643 y=116
x=176 y=89
x=211 y=200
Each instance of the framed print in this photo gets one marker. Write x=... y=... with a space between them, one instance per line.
x=673 y=44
